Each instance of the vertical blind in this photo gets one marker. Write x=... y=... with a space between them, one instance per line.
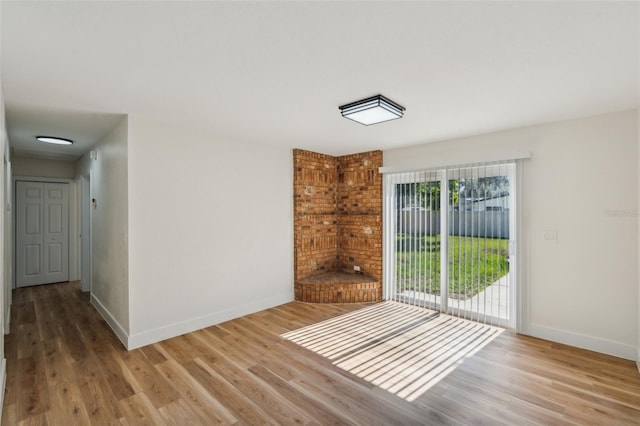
x=448 y=239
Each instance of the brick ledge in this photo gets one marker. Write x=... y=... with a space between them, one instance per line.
x=337 y=287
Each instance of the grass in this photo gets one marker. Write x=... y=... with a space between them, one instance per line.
x=474 y=263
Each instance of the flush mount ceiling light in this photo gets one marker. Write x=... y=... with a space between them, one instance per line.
x=54 y=140
x=373 y=110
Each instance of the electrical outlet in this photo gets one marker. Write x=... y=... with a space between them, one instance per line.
x=356 y=268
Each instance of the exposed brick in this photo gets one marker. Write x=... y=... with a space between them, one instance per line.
x=337 y=224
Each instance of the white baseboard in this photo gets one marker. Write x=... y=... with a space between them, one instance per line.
x=3 y=380
x=583 y=341
x=113 y=323
x=172 y=330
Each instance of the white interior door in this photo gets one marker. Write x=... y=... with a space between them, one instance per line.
x=42 y=233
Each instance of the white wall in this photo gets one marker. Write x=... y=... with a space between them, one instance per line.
x=82 y=167
x=109 y=245
x=5 y=233
x=41 y=167
x=83 y=177
x=7 y=217
x=211 y=234
x=581 y=181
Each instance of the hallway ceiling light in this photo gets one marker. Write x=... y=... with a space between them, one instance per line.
x=373 y=110
x=54 y=140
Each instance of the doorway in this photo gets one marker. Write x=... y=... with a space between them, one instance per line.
x=449 y=239
x=42 y=232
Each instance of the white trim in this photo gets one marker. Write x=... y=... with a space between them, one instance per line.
x=172 y=330
x=85 y=228
x=113 y=323
x=522 y=289
x=583 y=341
x=10 y=265
x=444 y=240
x=638 y=359
x=3 y=379
x=459 y=161
x=74 y=203
x=388 y=227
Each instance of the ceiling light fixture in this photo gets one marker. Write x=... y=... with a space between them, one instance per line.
x=373 y=110
x=54 y=140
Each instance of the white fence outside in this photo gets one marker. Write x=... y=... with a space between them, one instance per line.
x=486 y=224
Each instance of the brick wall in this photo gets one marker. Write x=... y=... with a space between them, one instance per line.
x=359 y=208
x=337 y=213
x=314 y=209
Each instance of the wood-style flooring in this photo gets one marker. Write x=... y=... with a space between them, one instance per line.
x=377 y=364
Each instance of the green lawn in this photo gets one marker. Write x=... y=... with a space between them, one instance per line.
x=474 y=263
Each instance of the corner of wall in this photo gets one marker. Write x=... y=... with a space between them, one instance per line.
x=117 y=328
x=109 y=229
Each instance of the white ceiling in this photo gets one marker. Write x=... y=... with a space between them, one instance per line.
x=276 y=72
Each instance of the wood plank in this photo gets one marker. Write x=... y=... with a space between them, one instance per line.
x=100 y=402
x=138 y=410
x=67 y=405
x=158 y=390
x=153 y=355
x=25 y=313
x=37 y=420
x=9 y=414
x=11 y=355
x=242 y=408
x=57 y=361
x=32 y=391
x=114 y=374
x=202 y=404
x=317 y=411
x=74 y=342
x=48 y=326
x=65 y=366
x=180 y=349
x=177 y=413
x=28 y=339
x=262 y=395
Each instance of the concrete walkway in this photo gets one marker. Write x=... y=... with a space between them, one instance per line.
x=493 y=300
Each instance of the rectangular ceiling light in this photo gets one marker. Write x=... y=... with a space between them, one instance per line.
x=373 y=110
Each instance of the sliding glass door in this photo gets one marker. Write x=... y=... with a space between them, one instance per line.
x=417 y=239
x=449 y=239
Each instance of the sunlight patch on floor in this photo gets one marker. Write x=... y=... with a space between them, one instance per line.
x=397 y=347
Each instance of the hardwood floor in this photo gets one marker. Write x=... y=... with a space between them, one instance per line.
x=296 y=364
